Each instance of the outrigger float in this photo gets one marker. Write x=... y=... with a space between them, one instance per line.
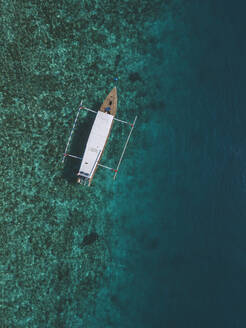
x=98 y=138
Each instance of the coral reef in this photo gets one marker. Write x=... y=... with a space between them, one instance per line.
x=53 y=54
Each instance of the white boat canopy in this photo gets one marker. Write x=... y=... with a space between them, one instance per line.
x=95 y=144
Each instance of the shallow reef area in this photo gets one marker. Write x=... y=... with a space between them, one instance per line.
x=52 y=55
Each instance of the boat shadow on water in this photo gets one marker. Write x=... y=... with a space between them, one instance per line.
x=77 y=147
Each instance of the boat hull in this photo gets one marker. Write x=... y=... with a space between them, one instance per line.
x=98 y=137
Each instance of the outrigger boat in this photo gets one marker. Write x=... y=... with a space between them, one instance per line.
x=98 y=139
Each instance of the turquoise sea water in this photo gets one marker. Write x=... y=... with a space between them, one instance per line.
x=170 y=250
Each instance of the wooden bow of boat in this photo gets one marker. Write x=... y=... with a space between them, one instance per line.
x=111 y=102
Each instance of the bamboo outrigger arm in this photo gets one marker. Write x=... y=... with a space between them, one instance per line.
x=124 y=149
x=80 y=158
x=69 y=139
x=115 y=119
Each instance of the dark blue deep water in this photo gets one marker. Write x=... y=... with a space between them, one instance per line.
x=195 y=271
x=189 y=223
x=171 y=248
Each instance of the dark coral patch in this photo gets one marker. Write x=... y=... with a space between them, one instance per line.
x=135 y=76
x=90 y=239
